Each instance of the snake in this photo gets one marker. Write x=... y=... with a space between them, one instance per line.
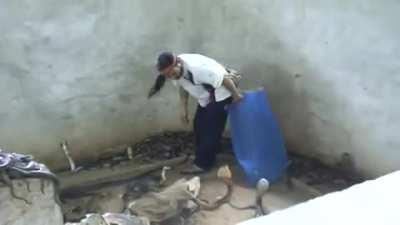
x=224 y=174
x=207 y=206
x=261 y=188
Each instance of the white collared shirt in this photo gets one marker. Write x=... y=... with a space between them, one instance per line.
x=205 y=71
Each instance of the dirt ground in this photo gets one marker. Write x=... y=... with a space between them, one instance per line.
x=309 y=173
x=278 y=197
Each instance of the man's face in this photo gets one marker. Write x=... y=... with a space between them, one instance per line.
x=172 y=72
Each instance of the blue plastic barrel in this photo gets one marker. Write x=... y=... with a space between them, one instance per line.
x=257 y=140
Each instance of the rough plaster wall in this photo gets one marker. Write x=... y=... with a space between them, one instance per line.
x=79 y=70
x=332 y=70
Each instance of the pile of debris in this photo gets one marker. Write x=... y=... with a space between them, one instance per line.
x=19 y=166
x=172 y=204
x=111 y=219
x=323 y=177
x=164 y=146
x=145 y=197
x=169 y=145
x=159 y=147
x=28 y=191
x=314 y=173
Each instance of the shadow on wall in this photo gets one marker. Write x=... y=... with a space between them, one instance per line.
x=295 y=95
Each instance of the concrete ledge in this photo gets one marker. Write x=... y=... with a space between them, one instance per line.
x=372 y=202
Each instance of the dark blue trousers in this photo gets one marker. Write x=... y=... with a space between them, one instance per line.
x=209 y=124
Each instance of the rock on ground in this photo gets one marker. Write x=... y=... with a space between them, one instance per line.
x=38 y=207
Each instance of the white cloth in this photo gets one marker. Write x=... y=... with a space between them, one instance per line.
x=205 y=71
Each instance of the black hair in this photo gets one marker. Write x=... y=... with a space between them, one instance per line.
x=158 y=84
x=164 y=60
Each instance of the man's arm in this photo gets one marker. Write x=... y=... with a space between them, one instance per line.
x=184 y=96
x=228 y=83
x=216 y=77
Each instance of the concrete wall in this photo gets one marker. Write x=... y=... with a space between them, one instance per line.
x=79 y=70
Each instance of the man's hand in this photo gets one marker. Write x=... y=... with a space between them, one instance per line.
x=237 y=98
x=236 y=95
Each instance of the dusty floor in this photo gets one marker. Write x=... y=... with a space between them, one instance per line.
x=168 y=145
x=110 y=199
x=278 y=197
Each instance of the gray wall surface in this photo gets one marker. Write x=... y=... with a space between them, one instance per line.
x=80 y=71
